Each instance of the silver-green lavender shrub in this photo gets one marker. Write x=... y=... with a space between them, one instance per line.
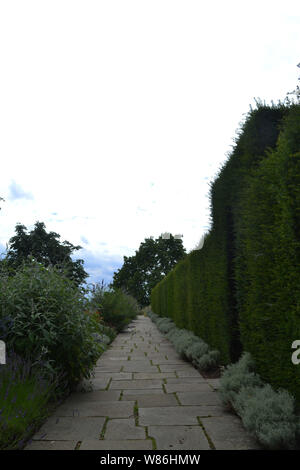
x=165 y=325
x=236 y=376
x=196 y=350
x=208 y=360
x=268 y=415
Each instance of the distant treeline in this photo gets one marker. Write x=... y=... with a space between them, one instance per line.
x=241 y=291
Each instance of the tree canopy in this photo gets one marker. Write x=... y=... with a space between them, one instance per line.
x=151 y=262
x=46 y=249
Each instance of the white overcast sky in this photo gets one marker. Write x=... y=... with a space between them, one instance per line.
x=116 y=115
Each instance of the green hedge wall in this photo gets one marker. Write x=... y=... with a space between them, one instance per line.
x=240 y=292
x=268 y=259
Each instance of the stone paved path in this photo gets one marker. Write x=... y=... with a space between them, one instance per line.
x=144 y=397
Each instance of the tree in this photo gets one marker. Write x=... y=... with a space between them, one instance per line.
x=46 y=249
x=141 y=272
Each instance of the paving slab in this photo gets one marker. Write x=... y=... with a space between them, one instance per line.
x=153 y=375
x=113 y=375
x=111 y=409
x=137 y=366
x=176 y=367
x=186 y=380
x=98 y=396
x=105 y=367
x=136 y=384
x=171 y=416
x=51 y=445
x=188 y=373
x=105 y=444
x=148 y=400
x=187 y=387
x=123 y=429
x=179 y=437
x=227 y=433
x=70 y=428
x=99 y=384
x=154 y=391
x=199 y=398
x=165 y=361
x=118 y=359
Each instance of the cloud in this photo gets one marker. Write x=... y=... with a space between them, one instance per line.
x=16 y=192
x=99 y=266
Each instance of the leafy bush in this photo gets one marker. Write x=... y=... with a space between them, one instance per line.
x=24 y=395
x=117 y=308
x=47 y=321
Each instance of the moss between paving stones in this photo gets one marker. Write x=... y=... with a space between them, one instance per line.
x=104 y=429
x=154 y=445
x=210 y=442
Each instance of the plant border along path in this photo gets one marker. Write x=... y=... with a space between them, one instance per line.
x=144 y=396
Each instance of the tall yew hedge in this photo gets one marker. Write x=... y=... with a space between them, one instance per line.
x=240 y=292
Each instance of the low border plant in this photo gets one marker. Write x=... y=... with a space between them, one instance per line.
x=269 y=415
x=186 y=343
x=24 y=399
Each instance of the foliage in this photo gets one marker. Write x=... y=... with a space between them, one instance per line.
x=236 y=376
x=165 y=325
x=268 y=259
x=240 y=291
x=269 y=415
x=45 y=312
x=24 y=396
x=117 y=308
x=186 y=343
x=46 y=249
x=151 y=262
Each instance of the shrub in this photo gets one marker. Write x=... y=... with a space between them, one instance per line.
x=188 y=345
x=207 y=361
x=238 y=375
x=47 y=320
x=24 y=396
x=117 y=308
x=165 y=325
x=268 y=415
x=197 y=349
x=181 y=339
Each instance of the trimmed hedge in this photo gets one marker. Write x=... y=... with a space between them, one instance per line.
x=268 y=260
x=240 y=291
